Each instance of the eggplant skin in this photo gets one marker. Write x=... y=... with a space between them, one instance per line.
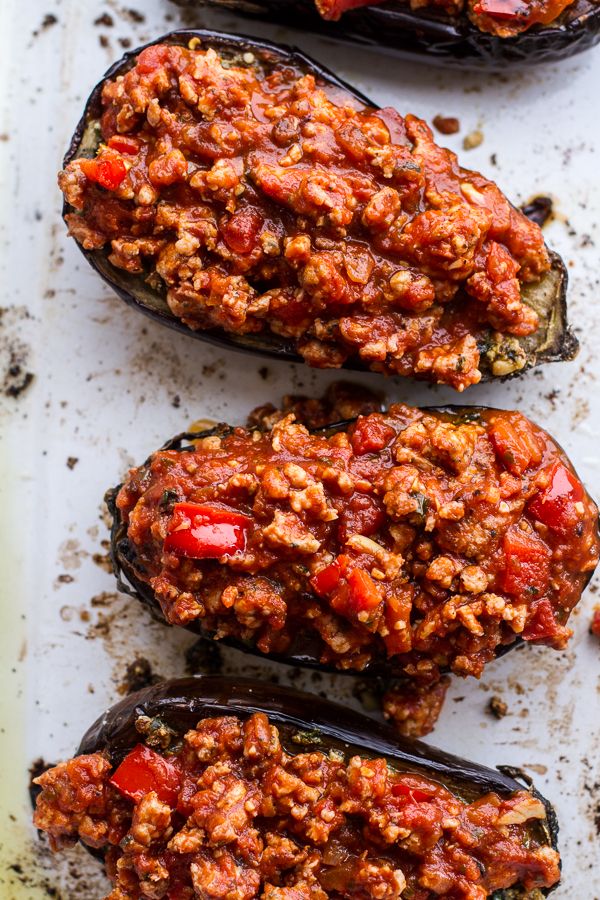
x=501 y=356
x=306 y=648
x=307 y=722
x=430 y=36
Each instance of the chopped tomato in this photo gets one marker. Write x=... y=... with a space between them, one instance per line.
x=362 y=514
x=152 y=58
x=204 y=531
x=515 y=443
x=123 y=143
x=241 y=232
x=143 y=771
x=542 y=624
x=371 y=434
x=555 y=505
x=401 y=789
x=107 y=169
x=527 y=570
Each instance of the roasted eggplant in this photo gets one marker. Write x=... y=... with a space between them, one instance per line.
x=268 y=764
x=430 y=35
x=397 y=545
x=177 y=248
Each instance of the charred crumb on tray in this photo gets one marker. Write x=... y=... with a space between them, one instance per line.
x=105 y=19
x=138 y=674
x=72 y=461
x=64 y=578
x=47 y=22
x=103 y=561
x=497 y=707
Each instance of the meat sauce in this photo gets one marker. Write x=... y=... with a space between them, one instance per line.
x=228 y=813
x=429 y=539
x=504 y=18
x=272 y=202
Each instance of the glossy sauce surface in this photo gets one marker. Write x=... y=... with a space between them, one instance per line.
x=273 y=202
x=229 y=813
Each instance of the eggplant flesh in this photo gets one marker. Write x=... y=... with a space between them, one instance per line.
x=429 y=35
x=308 y=723
x=502 y=356
x=307 y=647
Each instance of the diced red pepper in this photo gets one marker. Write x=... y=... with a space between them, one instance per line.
x=401 y=789
x=365 y=595
x=325 y=582
x=542 y=624
x=555 y=505
x=515 y=443
x=527 y=570
x=333 y=9
x=123 y=143
x=502 y=9
x=143 y=771
x=204 y=531
x=107 y=169
x=371 y=434
x=352 y=590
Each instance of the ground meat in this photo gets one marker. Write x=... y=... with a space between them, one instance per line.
x=270 y=202
x=430 y=540
x=229 y=814
x=503 y=18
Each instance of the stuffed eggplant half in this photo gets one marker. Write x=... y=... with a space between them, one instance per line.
x=241 y=193
x=402 y=544
x=220 y=789
x=478 y=34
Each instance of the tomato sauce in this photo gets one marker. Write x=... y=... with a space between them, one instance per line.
x=266 y=201
x=227 y=812
x=427 y=539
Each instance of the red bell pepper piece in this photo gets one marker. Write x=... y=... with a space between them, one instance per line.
x=123 y=143
x=333 y=9
x=502 y=9
x=143 y=771
x=555 y=505
x=371 y=434
x=400 y=789
x=527 y=569
x=352 y=590
x=365 y=596
x=325 y=582
x=107 y=169
x=204 y=531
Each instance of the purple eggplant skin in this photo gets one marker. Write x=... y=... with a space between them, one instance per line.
x=552 y=342
x=307 y=647
x=307 y=722
x=430 y=36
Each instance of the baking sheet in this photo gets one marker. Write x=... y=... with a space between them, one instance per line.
x=108 y=387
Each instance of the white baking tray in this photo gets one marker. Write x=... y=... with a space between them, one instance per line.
x=110 y=386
